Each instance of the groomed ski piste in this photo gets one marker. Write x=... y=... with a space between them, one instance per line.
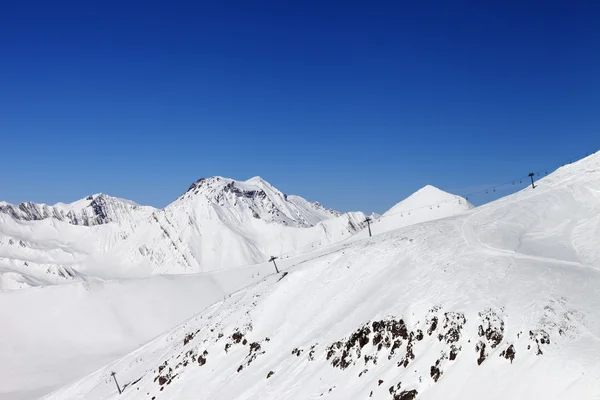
x=76 y=292
x=502 y=302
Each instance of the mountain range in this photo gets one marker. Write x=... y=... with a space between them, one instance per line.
x=440 y=301
x=217 y=223
x=117 y=274
x=500 y=302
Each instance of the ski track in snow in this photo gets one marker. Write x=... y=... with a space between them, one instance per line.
x=472 y=239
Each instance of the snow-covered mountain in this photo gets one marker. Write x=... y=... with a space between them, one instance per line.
x=218 y=223
x=502 y=302
x=426 y=204
x=96 y=209
x=260 y=199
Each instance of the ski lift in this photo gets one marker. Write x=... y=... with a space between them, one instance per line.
x=438 y=206
x=494 y=189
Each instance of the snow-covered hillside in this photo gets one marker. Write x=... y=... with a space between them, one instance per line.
x=426 y=204
x=217 y=223
x=502 y=302
x=113 y=317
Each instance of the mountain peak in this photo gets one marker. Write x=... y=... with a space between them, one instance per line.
x=428 y=196
x=215 y=183
x=258 y=199
x=256 y=179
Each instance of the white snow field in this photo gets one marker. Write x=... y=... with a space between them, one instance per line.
x=502 y=302
x=74 y=296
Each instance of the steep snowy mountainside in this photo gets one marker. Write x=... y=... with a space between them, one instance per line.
x=501 y=302
x=215 y=232
x=96 y=209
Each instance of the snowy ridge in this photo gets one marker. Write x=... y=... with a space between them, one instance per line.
x=501 y=302
x=93 y=210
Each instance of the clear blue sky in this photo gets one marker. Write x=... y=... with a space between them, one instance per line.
x=354 y=105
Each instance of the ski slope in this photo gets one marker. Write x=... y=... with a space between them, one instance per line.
x=502 y=302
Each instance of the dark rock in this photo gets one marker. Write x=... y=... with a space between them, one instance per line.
x=435 y=373
x=509 y=353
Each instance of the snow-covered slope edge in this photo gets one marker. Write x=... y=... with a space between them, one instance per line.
x=501 y=302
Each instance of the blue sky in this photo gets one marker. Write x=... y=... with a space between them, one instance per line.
x=354 y=105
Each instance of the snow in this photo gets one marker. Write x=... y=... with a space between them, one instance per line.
x=103 y=237
x=75 y=283
x=499 y=302
x=55 y=334
x=426 y=204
